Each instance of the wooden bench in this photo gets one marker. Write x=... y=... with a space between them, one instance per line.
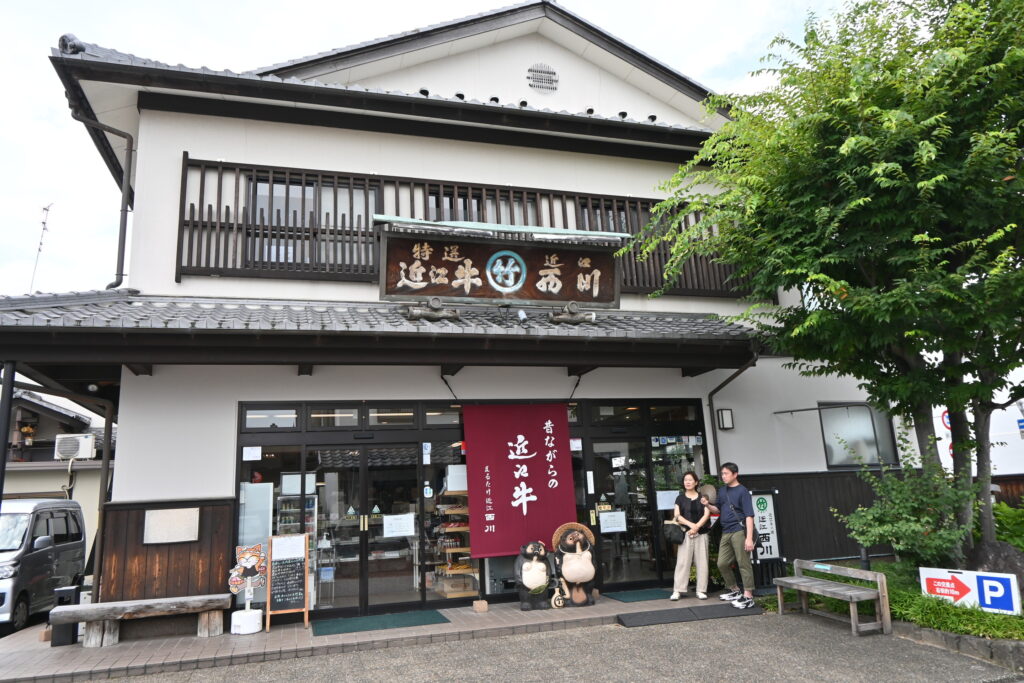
x=804 y=585
x=103 y=619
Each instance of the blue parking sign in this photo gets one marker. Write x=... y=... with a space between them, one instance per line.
x=995 y=592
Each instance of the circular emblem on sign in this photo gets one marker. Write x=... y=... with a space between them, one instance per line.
x=762 y=504
x=506 y=271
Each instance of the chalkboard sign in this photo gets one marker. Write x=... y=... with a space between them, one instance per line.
x=289 y=567
x=288 y=592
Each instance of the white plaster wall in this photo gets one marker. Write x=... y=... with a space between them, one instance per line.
x=761 y=441
x=178 y=428
x=500 y=70
x=164 y=136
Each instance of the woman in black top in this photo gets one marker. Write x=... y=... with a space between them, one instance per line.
x=693 y=516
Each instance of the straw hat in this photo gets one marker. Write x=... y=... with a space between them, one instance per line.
x=710 y=491
x=567 y=527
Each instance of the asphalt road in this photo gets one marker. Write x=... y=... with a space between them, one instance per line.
x=759 y=648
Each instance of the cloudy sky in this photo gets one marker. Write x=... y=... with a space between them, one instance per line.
x=50 y=161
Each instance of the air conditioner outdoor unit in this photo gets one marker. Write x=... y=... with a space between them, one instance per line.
x=74 y=447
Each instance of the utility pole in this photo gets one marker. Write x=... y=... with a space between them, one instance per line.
x=39 y=251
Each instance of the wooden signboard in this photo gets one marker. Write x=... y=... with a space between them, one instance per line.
x=474 y=270
x=288 y=558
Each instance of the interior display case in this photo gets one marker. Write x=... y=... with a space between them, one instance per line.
x=456 y=575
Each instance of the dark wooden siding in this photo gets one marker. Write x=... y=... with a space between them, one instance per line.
x=807 y=528
x=133 y=571
x=274 y=222
x=1011 y=489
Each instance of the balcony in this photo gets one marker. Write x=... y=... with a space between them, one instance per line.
x=270 y=222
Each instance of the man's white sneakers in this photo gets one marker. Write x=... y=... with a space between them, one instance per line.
x=730 y=596
x=675 y=596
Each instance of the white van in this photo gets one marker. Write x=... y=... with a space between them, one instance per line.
x=42 y=548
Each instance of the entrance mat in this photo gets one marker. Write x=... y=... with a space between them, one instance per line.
x=639 y=595
x=377 y=622
x=671 y=616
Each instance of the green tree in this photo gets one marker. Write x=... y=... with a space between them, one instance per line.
x=879 y=179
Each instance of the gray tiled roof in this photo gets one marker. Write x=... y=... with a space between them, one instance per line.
x=33 y=397
x=127 y=310
x=97 y=53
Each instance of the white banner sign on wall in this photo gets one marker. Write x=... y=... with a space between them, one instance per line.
x=765 y=526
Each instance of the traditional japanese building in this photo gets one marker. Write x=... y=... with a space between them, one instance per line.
x=334 y=257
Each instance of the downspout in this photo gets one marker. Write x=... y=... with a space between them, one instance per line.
x=108 y=425
x=126 y=187
x=755 y=350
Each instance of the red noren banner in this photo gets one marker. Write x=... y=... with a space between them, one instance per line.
x=520 y=475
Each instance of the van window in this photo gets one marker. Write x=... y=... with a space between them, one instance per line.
x=73 y=528
x=41 y=528
x=12 y=530
x=59 y=528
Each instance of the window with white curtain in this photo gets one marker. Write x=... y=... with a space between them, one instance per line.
x=856 y=434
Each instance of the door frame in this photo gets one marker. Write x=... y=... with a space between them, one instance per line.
x=589 y=458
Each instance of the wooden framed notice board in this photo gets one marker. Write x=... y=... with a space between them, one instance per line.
x=288 y=559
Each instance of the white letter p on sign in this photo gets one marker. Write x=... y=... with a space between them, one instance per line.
x=992 y=590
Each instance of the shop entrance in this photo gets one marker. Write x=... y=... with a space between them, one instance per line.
x=368 y=526
x=381 y=489
x=628 y=549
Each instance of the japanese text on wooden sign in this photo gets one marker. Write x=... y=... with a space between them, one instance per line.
x=520 y=475
x=471 y=270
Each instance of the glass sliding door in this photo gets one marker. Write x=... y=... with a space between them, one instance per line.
x=368 y=532
x=393 y=528
x=628 y=553
x=338 y=545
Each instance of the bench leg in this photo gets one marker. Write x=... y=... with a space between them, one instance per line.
x=804 y=605
x=93 y=634
x=111 y=632
x=882 y=606
x=778 y=593
x=210 y=624
x=854 y=619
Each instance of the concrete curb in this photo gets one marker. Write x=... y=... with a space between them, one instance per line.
x=1008 y=654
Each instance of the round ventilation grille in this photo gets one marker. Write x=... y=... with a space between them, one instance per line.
x=542 y=77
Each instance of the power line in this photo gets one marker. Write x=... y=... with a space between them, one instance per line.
x=46 y=215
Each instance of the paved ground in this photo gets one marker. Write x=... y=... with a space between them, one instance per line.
x=505 y=644
x=767 y=647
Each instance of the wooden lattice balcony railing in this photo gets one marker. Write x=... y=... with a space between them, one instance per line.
x=243 y=220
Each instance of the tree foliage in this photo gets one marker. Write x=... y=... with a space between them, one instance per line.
x=914 y=511
x=881 y=180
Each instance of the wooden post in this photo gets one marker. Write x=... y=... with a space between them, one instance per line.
x=210 y=624
x=883 y=599
x=111 y=632
x=854 y=618
x=778 y=593
x=93 y=634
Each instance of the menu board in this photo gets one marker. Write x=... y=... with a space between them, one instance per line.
x=289 y=565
